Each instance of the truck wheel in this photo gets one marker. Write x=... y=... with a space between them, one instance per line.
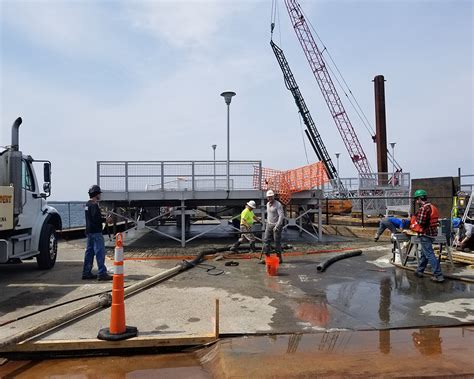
x=48 y=248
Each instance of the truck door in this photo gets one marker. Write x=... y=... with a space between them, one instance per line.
x=31 y=200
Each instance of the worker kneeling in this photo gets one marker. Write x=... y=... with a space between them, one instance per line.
x=247 y=218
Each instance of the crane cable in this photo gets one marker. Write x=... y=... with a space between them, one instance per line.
x=275 y=16
x=357 y=109
x=302 y=136
x=366 y=123
x=274 y=20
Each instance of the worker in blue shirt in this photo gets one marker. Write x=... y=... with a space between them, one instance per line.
x=392 y=224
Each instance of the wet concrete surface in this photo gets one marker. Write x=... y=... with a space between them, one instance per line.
x=354 y=294
x=426 y=352
x=355 y=301
x=359 y=293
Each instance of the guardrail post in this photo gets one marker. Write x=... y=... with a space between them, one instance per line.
x=192 y=175
x=126 y=178
x=98 y=174
x=183 y=224
x=162 y=176
x=362 y=210
x=69 y=213
x=260 y=174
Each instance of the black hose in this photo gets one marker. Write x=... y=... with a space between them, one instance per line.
x=184 y=266
x=52 y=307
x=325 y=264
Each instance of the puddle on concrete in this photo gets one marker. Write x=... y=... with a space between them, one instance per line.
x=409 y=352
x=151 y=366
x=429 y=351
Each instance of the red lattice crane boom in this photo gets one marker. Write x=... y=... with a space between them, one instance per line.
x=332 y=98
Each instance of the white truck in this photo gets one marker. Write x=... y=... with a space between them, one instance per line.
x=27 y=224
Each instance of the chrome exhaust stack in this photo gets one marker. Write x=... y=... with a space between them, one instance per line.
x=14 y=169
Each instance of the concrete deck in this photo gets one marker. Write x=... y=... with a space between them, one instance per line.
x=361 y=293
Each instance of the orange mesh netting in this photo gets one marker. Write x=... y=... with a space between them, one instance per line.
x=285 y=183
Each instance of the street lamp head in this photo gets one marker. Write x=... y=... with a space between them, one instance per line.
x=214 y=147
x=337 y=154
x=228 y=96
x=392 y=144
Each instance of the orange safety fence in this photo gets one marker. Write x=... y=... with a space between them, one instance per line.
x=285 y=183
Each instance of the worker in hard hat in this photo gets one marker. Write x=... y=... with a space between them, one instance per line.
x=465 y=237
x=95 y=245
x=247 y=218
x=274 y=227
x=425 y=223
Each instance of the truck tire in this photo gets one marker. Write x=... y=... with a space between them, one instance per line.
x=48 y=248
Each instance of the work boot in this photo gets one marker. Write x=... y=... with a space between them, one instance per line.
x=252 y=247
x=89 y=276
x=418 y=274
x=437 y=279
x=376 y=237
x=279 y=256
x=104 y=278
x=235 y=246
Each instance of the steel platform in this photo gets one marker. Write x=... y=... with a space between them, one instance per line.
x=183 y=186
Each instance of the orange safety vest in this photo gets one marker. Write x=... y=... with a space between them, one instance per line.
x=434 y=220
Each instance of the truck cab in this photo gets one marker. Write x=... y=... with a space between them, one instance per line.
x=28 y=225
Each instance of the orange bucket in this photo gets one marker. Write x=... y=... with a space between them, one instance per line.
x=272 y=263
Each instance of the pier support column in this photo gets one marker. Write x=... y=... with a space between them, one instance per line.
x=320 y=220
x=183 y=224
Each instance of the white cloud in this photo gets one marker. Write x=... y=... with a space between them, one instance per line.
x=64 y=26
x=183 y=23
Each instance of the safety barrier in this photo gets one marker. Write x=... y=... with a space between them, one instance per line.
x=118 y=330
x=285 y=183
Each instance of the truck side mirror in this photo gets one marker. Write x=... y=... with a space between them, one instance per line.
x=47 y=173
x=47 y=187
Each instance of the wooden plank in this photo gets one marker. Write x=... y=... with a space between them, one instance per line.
x=464 y=255
x=216 y=324
x=96 y=344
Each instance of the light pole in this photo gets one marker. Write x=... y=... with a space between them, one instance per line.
x=228 y=98
x=338 y=174
x=214 y=148
x=392 y=144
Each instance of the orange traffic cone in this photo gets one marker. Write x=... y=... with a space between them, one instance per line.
x=118 y=330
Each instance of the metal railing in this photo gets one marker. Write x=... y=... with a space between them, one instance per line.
x=71 y=212
x=466 y=182
x=141 y=176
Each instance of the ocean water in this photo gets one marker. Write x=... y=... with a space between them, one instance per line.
x=72 y=213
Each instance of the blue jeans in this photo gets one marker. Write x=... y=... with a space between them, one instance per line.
x=428 y=255
x=95 y=246
x=272 y=233
x=386 y=224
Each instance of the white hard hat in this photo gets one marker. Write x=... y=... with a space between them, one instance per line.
x=270 y=193
x=252 y=204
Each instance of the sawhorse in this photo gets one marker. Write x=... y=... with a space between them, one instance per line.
x=414 y=244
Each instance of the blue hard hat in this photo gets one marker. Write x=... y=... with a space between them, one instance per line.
x=456 y=222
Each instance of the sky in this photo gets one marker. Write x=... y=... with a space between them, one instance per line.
x=140 y=80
